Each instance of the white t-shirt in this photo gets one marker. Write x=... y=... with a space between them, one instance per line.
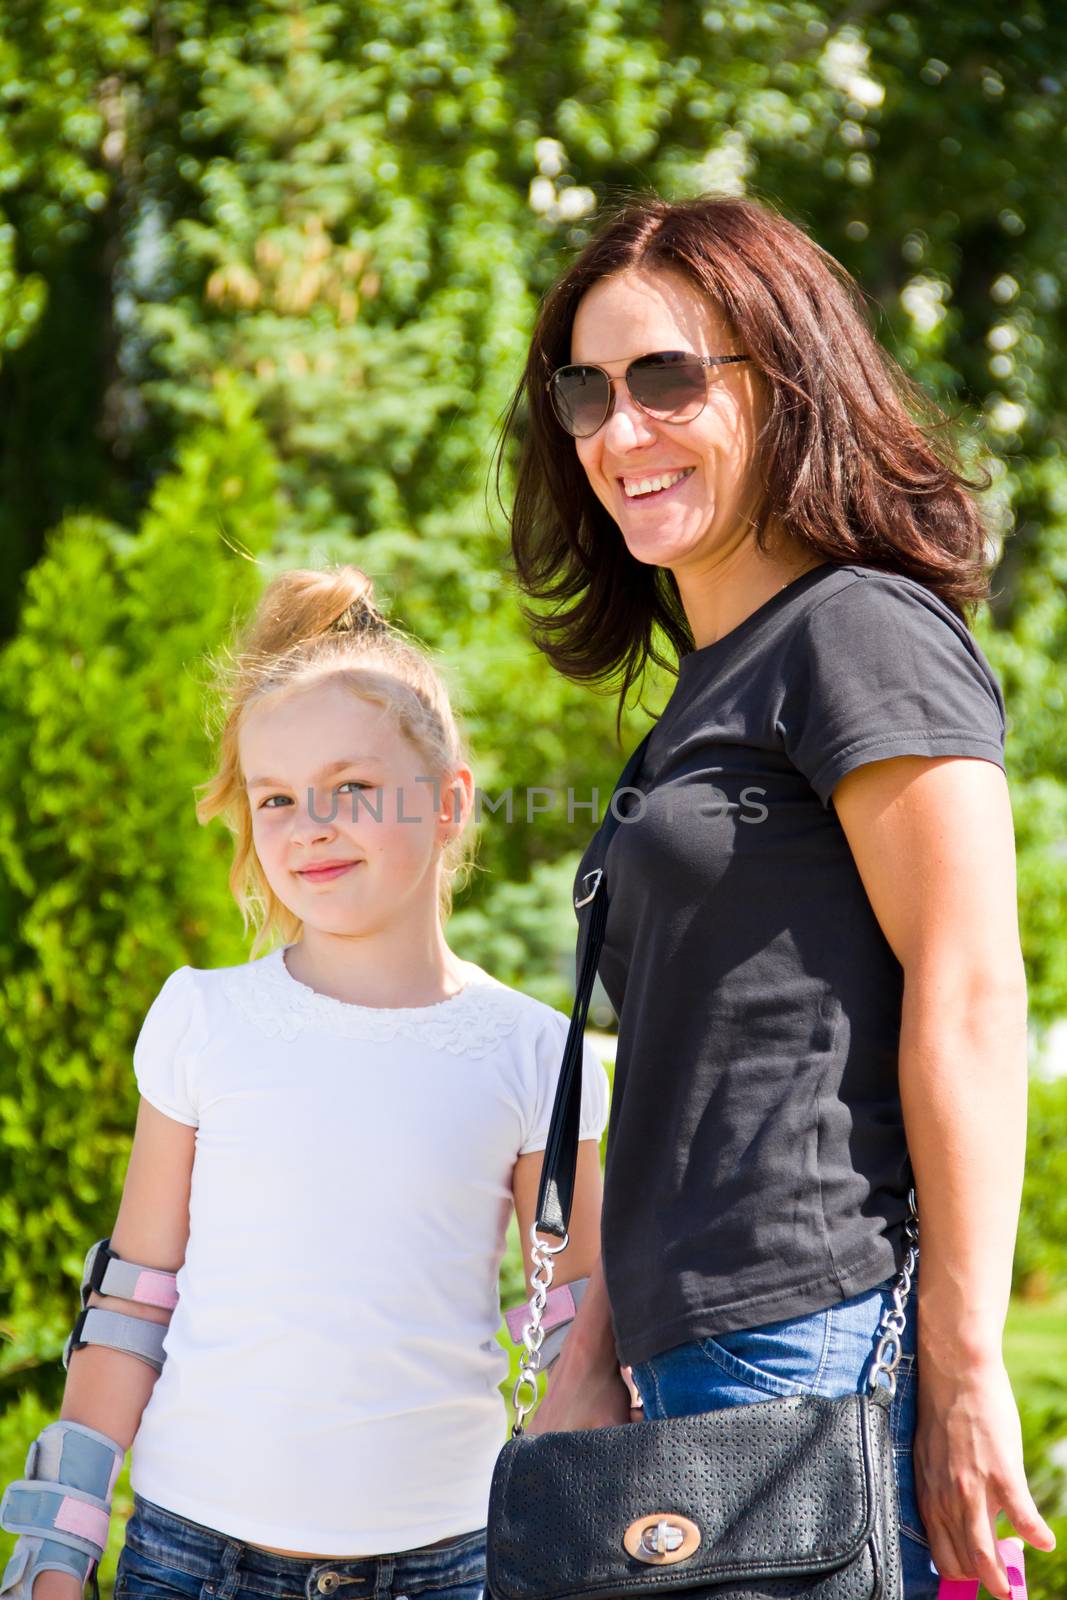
x=331 y=1374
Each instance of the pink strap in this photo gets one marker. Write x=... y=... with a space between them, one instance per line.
x=559 y=1307
x=1011 y=1554
x=156 y=1289
x=88 y=1522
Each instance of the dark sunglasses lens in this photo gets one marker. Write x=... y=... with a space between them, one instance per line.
x=668 y=385
x=580 y=397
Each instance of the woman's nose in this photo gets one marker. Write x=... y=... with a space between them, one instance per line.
x=627 y=426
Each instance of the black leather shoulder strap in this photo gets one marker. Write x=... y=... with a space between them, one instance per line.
x=556 y=1193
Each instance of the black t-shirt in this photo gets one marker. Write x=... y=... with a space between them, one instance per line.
x=757 y=1167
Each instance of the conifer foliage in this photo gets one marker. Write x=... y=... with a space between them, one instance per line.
x=267 y=274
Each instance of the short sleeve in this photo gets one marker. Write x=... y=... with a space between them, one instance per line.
x=882 y=668
x=165 y=1053
x=596 y=1093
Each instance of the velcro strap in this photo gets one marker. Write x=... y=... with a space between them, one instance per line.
x=145 y=1284
x=117 y=1330
x=561 y=1306
x=553 y=1344
x=77 y=1456
x=107 y=1273
x=56 y=1513
x=20 y=1560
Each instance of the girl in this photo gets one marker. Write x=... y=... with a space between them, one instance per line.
x=328 y=1148
x=812 y=937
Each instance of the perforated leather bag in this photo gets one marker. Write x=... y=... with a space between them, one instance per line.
x=789 y=1499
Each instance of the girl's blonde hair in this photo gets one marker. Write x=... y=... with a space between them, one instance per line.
x=312 y=625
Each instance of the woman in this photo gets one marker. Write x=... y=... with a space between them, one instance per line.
x=812 y=944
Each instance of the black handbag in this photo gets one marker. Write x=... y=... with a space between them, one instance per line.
x=790 y=1499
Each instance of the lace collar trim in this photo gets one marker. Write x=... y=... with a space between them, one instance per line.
x=470 y=1022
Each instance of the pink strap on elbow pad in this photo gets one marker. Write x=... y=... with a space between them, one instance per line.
x=559 y=1308
x=110 y=1274
x=967 y=1588
x=155 y=1288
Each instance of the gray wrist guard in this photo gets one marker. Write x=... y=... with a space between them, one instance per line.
x=61 y=1508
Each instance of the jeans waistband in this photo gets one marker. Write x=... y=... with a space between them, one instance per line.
x=200 y=1552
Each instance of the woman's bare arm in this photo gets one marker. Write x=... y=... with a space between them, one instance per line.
x=934 y=844
x=585 y=1389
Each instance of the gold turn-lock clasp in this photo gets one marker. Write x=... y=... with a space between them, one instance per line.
x=661 y=1538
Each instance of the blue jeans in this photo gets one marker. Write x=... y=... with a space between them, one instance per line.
x=827 y=1353
x=167 y=1558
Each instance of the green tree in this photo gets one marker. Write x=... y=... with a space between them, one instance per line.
x=356 y=208
x=298 y=249
x=108 y=883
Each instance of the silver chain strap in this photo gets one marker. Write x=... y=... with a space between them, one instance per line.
x=533 y=1335
x=886 y=1356
x=891 y=1328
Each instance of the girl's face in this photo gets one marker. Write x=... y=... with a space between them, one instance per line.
x=699 y=520
x=330 y=778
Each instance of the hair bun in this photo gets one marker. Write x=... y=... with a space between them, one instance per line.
x=360 y=616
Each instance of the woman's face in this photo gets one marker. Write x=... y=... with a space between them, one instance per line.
x=695 y=523
x=375 y=810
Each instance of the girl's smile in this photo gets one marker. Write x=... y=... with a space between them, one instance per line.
x=324 y=873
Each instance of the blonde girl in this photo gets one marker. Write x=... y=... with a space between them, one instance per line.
x=293 y=1321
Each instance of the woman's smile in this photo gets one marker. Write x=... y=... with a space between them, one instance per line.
x=653 y=485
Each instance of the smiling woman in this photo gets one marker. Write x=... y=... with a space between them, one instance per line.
x=821 y=997
x=816 y=443
x=659 y=472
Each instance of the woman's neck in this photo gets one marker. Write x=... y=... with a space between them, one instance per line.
x=722 y=595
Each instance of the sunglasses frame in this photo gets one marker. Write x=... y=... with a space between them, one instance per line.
x=702 y=361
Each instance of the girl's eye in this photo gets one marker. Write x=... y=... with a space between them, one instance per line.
x=357 y=782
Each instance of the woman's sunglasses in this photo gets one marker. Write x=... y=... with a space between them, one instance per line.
x=671 y=385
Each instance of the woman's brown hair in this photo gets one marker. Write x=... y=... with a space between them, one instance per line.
x=845 y=456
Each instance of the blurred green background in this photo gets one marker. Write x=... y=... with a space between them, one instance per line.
x=267 y=274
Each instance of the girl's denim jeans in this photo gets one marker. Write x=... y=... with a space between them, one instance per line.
x=167 y=1558
x=827 y=1353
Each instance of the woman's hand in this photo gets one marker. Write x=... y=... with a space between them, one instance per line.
x=969 y=1466
x=580 y=1394
x=586 y=1388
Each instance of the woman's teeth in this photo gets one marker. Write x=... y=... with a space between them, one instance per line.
x=634 y=487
